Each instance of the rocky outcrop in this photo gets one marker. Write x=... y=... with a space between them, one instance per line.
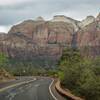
x=62 y=18
x=5 y=76
x=98 y=17
x=76 y=24
x=89 y=38
x=2 y=36
x=87 y=21
x=40 y=18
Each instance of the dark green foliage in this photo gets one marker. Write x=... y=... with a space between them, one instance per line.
x=3 y=59
x=96 y=66
x=89 y=85
x=27 y=68
x=70 y=67
x=81 y=75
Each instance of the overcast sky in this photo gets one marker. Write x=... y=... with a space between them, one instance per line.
x=14 y=11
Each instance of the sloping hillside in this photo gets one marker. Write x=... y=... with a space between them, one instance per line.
x=4 y=75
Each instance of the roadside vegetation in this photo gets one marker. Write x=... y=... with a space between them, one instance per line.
x=18 y=67
x=79 y=74
x=4 y=75
x=3 y=59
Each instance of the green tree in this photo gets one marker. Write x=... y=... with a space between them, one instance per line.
x=80 y=75
x=3 y=59
x=96 y=66
x=89 y=85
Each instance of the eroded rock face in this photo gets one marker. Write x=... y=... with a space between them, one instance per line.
x=62 y=18
x=33 y=39
x=87 y=21
x=39 y=39
x=98 y=17
x=5 y=76
x=89 y=38
x=2 y=36
x=43 y=33
x=40 y=18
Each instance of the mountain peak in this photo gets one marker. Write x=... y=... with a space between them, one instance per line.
x=90 y=17
x=87 y=21
x=58 y=18
x=39 y=18
x=98 y=17
x=61 y=18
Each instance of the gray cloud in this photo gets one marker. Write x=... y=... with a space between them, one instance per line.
x=13 y=12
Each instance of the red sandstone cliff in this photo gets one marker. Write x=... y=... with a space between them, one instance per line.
x=46 y=39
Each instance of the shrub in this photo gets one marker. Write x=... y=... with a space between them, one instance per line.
x=80 y=75
x=3 y=59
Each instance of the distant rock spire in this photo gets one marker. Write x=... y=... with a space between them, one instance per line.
x=98 y=17
x=87 y=21
x=40 y=18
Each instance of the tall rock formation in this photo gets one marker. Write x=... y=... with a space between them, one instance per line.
x=89 y=38
x=45 y=40
x=87 y=21
x=37 y=40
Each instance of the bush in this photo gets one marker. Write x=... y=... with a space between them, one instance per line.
x=96 y=66
x=3 y=59
x=80 y=75
x=89 y=85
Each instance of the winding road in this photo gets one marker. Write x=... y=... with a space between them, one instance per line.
x=28 y=88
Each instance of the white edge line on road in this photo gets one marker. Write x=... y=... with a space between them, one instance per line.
x=14 y=85
x=51 y=91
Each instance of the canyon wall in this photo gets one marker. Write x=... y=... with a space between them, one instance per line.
x=40 y=39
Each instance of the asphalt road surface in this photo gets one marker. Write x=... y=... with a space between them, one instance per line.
x=27 y=89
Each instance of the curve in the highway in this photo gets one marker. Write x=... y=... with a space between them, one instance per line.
x=39 y=89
